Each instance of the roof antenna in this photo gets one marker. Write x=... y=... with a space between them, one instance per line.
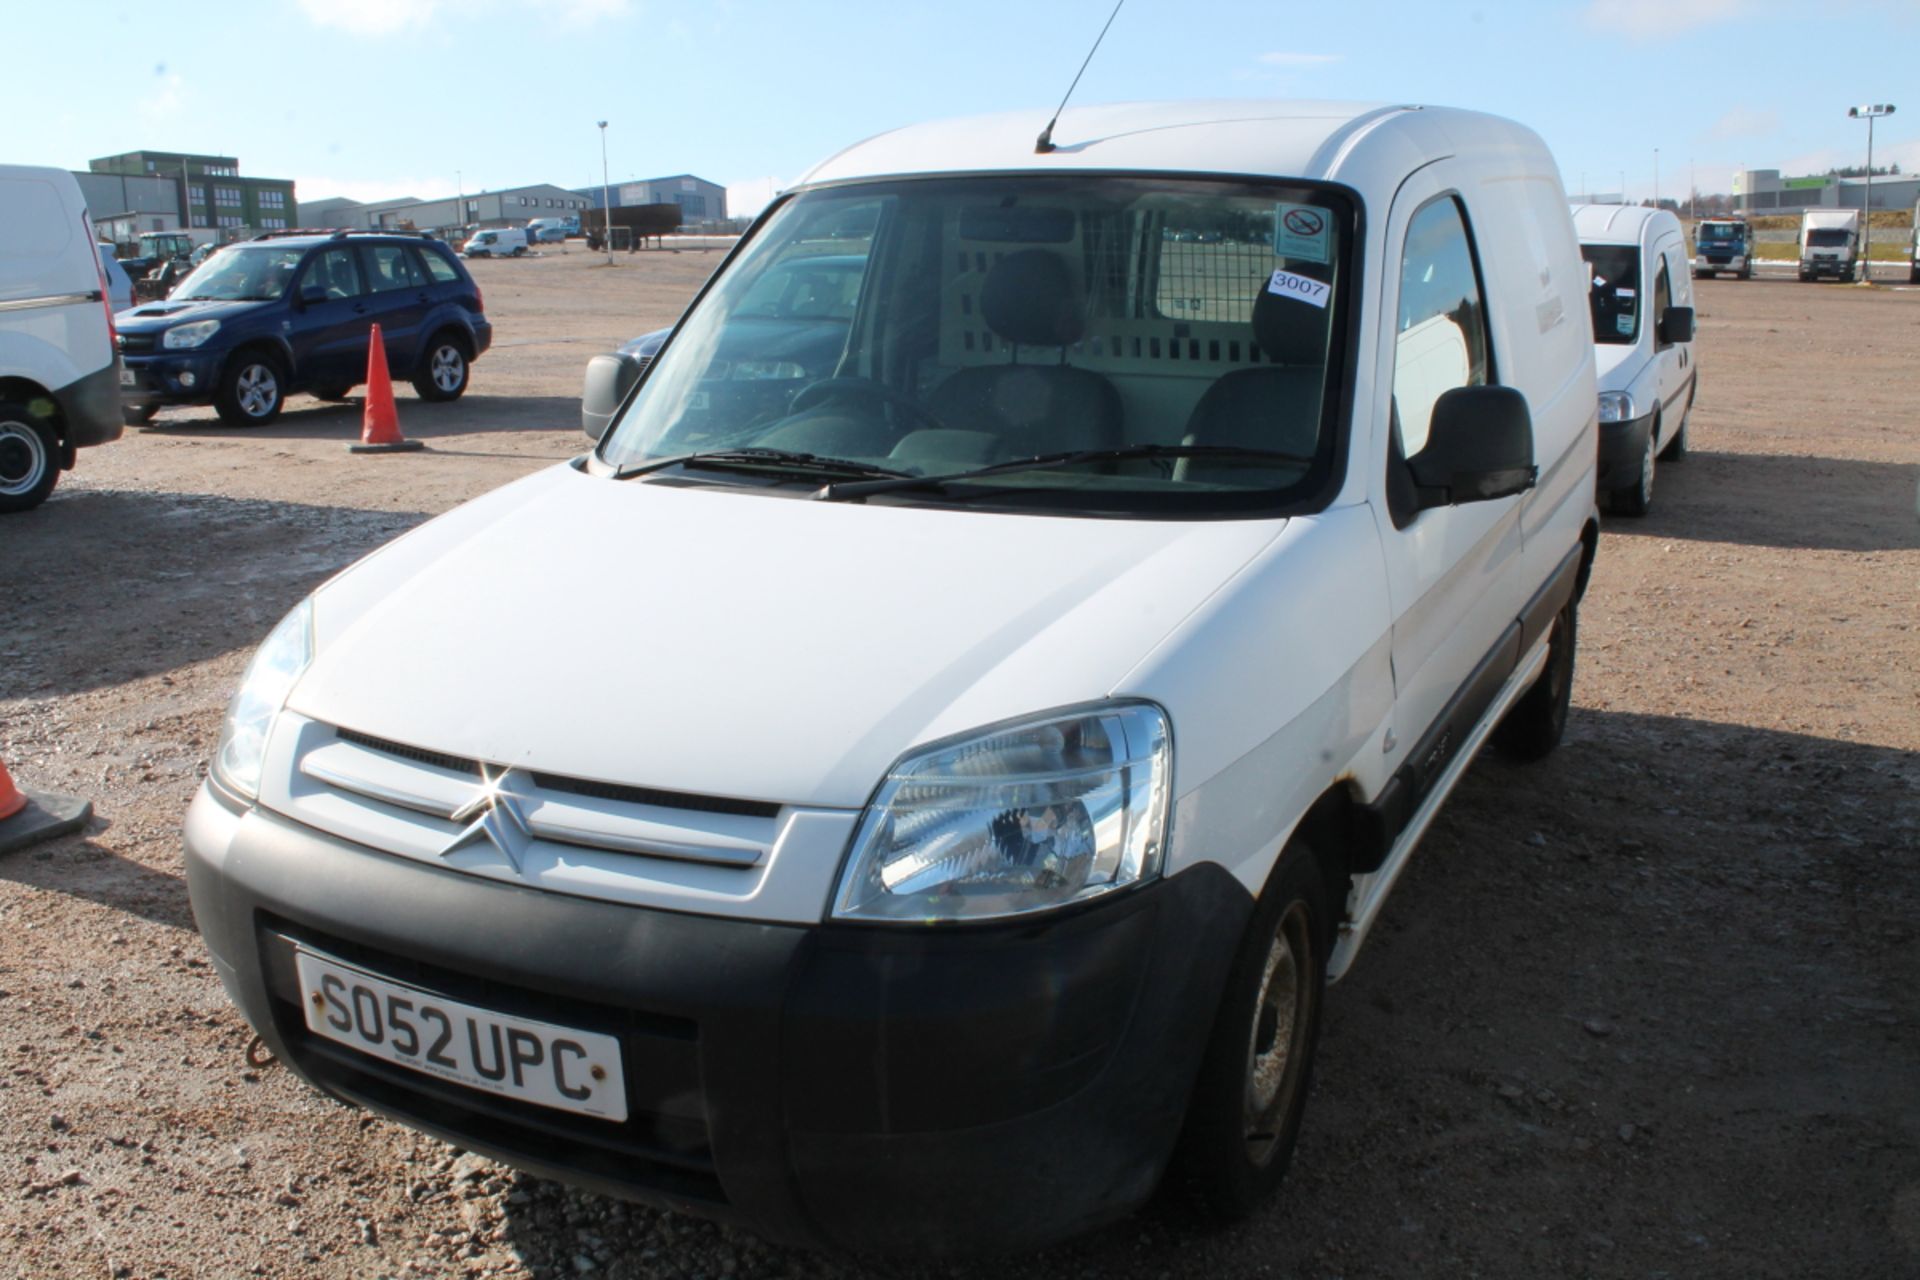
x=1044 y=143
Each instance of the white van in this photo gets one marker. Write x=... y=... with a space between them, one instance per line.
x=497 y=242
x=1006 y=718
x=1643 y=321
x=59 y=373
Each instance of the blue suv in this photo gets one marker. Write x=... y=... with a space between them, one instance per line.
x=292 y=311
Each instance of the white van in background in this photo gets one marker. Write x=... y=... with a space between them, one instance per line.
x=119 y=283
x=59 y=374
x=497 y=242
x=1642 y=302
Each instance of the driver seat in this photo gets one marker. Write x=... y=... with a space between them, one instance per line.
x=1029 y=300
x=1270 y=406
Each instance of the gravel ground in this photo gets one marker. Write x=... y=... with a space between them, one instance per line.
x=1646 y=1009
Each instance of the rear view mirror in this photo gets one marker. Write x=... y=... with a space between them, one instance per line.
x=1479 y=447
x=609 y=379
x=1676 y=325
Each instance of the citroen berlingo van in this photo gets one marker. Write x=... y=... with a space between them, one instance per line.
x=59 y=373
x=998 y=729
x=1641 y=299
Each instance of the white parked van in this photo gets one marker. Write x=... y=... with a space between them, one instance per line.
x=1002 y=728
x=1643 y=321
x=59 y=374
x=497 y=242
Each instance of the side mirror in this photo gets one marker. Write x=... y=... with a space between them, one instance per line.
x=1677 y=325
x=609 y=378
x=312 y=295
x=1479 y=447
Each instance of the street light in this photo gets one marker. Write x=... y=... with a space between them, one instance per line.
x=606 y=200
x=1869 y=114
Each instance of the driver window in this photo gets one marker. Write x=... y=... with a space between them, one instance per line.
x=1442 y=336
x=1662 y=298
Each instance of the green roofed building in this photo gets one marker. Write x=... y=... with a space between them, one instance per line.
x=215 y=193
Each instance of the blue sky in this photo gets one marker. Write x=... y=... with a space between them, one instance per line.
x=379 y=98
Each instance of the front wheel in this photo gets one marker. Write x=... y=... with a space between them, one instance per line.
x=1244 y=1117
x=29 y=458
x=443 y=371
x=1676 y=450
x=251 y=391
x=1533 y=726
x=1636 y=499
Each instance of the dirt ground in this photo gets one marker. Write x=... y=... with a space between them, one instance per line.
x=1646 y=1009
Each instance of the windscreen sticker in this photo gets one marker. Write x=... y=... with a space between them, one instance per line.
x=1624 y=323
x=1301 y=233
x=1623 y=293
x=1300 y=288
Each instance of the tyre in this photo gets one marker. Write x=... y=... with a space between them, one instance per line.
x=1913 y=275
x=251 y=390
x=342 y=392
x=1746 y=272
x=1244 y=1117
x=444 y=369
x=1637 y=498
x=29 y=458
x=138 y=415
x=1806 y=277
x=519 y=251
x=1533 y=726
x=1676 y=450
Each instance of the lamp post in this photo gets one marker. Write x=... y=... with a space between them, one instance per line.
x=1869 y=114
x=606 y=199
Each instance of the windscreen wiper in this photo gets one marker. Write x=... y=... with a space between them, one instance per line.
x=1040 y=462
x=766 y=459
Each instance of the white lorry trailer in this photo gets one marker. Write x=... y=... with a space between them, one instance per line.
x=1829 y=243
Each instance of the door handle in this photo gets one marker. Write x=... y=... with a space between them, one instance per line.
x=359 y=308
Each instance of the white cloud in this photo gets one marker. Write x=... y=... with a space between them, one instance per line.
x=165 y=100
x=1655 y=19
x=384 y=17
x=308 y=189
x=1745 y=122
x=1282 y=58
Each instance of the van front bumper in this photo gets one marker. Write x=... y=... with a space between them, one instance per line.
x=1622 y=445
x=928 y=1091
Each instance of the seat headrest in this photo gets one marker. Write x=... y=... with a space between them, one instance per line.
x=1289 y=330
x=1029 y=300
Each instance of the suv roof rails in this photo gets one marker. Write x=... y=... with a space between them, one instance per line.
x=336 y=233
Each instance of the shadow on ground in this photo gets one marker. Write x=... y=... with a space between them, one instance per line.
x=306 y=418
x=106 y=586
x=1769 y=500
x=81 y=866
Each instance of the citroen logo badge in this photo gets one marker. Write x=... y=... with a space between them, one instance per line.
x=494 y=814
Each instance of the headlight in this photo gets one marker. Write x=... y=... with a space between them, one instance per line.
x=182 y=336
x=1021 y=818
x=1616 y=406
x=263 y=691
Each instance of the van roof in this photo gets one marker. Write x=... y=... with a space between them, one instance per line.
x=1617 y=223
x=1308 y=139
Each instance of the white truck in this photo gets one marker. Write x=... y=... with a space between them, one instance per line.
x=1829 y=243
x=1913 y=248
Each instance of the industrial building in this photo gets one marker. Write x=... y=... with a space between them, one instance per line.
x=215 y=193
x=699 y=200
x=514 y=206
x=1765 y=191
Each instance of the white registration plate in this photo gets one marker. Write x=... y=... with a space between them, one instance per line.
x=127 y=378
x=536 y=1062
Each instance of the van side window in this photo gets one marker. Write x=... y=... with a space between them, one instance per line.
x=1662 y=297
x=1441 y=340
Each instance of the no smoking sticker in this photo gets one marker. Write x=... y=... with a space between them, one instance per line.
x=1301 y=232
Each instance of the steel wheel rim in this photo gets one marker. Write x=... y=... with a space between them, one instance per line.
x=23 y=458
x=448 y=368
x=1282 y=1012
x=257 y=390
x=1646 y=467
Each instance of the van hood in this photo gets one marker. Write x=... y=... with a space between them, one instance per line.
x=732 y=643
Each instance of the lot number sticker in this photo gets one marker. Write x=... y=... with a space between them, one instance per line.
x=1300 y=232
x=1300 y=288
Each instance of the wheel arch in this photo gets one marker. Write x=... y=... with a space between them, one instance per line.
x=44 y=404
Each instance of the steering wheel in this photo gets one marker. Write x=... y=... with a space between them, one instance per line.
x=827 y=388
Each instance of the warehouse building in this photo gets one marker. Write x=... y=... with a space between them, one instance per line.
x=216 y=195
x=699 y=200
x=1765 y=191
x=513 y=207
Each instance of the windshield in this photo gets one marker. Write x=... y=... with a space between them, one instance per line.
x=236 y=275
x=1829 y=238
x=939 y=326
x=1615 y=293
x=1711 y=232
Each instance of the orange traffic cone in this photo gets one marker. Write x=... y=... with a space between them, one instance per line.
x=380 y=424
x=27 y=817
